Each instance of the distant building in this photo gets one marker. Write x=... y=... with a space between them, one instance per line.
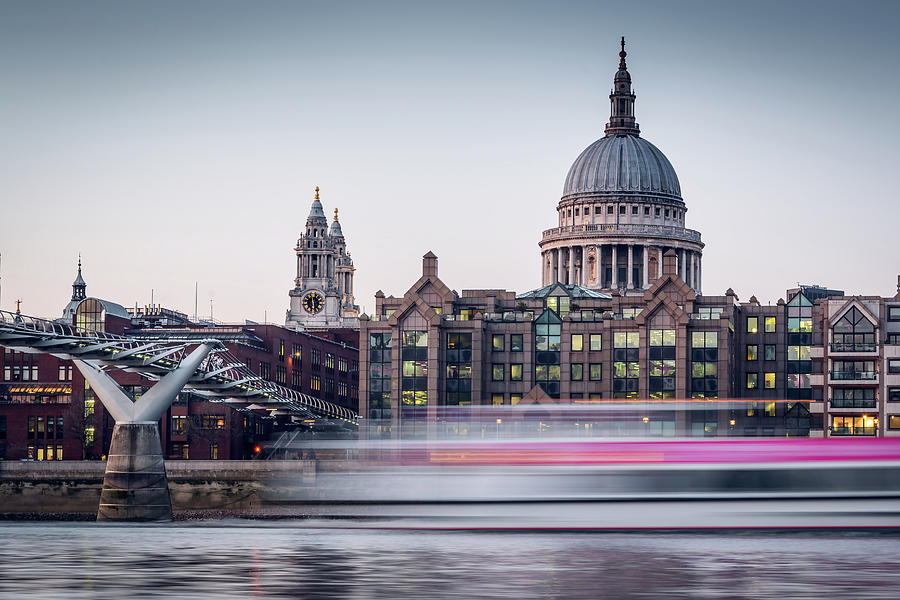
x=322 y=297
x=48 y=412
x=620 y=319
x=621 y=210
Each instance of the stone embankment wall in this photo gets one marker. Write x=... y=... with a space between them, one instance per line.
x=73 y=487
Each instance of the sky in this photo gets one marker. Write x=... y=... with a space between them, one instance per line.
x=174 y=143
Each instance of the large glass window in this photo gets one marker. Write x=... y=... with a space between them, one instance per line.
x=853 y=425
x=515 y=343
x=515 y=372
x=853 y=333
x=547 y=334
x=853 y=370
x=458 y=356
x=626 y=370
x=90 y=315
x=770 y=324
x=752 y=352
x=799 y=339
x=498 y=342
x=380 y=376
x=662 y=363
x=596 y=341
x=497 y=372
x=769 y=352
x=704 y=364
x=853 y=398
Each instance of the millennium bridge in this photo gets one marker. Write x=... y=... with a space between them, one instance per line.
x=135 y=486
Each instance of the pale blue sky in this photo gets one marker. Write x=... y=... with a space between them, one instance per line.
x=179 y=142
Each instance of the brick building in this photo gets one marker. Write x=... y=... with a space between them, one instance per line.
x=48 y=412
x=621 y=318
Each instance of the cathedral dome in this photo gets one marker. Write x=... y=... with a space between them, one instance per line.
x=622 y=164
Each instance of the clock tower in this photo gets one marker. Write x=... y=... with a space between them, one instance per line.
x=322 y=297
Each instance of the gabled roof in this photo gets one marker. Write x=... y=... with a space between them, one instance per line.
x=561 y=289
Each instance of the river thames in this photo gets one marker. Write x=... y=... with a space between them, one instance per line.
x=288 y=559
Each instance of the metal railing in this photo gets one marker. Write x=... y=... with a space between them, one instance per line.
x=848 y=431
x=851 y=375
x=841 y=347
x=852 y=403
x=665 y=231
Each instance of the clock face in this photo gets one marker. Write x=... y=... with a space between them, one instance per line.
x=313 y=303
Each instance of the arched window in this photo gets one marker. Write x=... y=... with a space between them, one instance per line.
x=90 y=315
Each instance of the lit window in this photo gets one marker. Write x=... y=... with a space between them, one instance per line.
x=752 y=352
x=577 y=342
x=770 y=324
x=770 y=409
x=515 y=372
x=497 y=373
x=577 y=371
x=596 y=341
x=515 y=342
x=596 y=373
x=752 y=324
x=752 y=381
x=769 y=381
x=498 y=342
x=497 y=399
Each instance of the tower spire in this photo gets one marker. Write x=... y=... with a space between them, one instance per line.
x=79 y=287
x=621 y=101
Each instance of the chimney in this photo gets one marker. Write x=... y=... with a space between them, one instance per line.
x=429 y=265
x=670 y=262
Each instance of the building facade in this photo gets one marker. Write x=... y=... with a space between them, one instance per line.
x=621 y=322
x=695 y=365
x=322 y=297
x=621 y=210
x=49 y=412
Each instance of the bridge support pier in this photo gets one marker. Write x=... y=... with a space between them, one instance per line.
x=135 y=486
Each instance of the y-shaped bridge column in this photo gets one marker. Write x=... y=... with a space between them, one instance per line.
x=135 y=487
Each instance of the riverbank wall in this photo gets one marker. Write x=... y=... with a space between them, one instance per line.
x=73 y=487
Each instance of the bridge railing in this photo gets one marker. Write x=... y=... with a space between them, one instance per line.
x=221 y=377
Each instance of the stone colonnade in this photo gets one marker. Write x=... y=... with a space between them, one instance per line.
x=586 y=264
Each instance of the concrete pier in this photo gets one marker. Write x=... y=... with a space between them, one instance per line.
x=135 y=487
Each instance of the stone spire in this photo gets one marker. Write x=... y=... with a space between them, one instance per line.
x=79 y=287
x=316 y=212
x=335 y=231
x=621 y=101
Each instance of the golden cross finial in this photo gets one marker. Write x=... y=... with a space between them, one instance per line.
x=335 y=215
x=18 y=307
x=317 y=192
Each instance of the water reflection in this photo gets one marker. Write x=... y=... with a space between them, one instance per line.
x=285 y=560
